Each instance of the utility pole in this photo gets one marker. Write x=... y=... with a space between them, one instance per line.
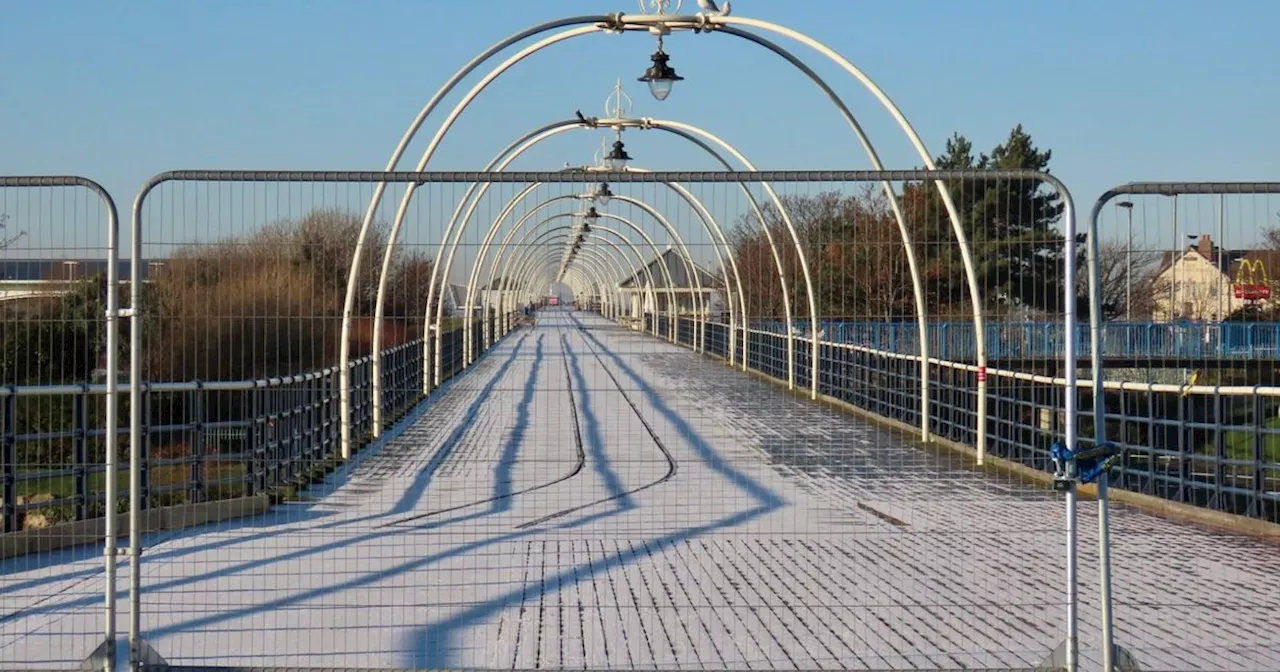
x=1128 y=263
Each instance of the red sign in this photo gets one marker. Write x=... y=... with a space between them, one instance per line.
x=1252 y=292
x=982 y=374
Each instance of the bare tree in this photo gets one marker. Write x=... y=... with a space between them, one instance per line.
x=1271 y=237
x=1126 y=276
x=5 y=242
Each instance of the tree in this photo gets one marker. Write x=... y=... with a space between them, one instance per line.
x=854 y=252
x=1017 y=252
x=1119 y=284
x=859 y=266
x=52 y=341
x=5 y=239
x=270 y=303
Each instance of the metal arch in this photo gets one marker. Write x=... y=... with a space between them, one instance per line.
x=448 y=262
x=595 y=272
x=574 y=275
x=657 y=258
x=696 y=203
x=354 y=272
x=516 y=263
x=447 y=266
x=966 y=255
x=572 y=269
x=488 y=241
x=507 y=240
x=436 y=268
x=475 y=269
x=502 y=216
x=531 y=265
x=519 y=263
x=497 y=222
x=520 y=246
x=672 y=232
x=913 y=266
x=493 y=266
x=647 y=123
x=658 y=254
x=596 y=260
x=500 y=162
x=621 y=22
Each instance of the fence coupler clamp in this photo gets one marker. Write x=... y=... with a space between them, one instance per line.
x=1071 y=468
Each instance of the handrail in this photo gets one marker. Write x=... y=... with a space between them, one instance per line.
x=286 y=430
x=1194 y=456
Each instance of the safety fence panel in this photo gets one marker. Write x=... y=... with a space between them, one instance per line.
x=1198 y=414
x=1197 y=422
x=528 y=445
x=59 y=346
x=1188 y=398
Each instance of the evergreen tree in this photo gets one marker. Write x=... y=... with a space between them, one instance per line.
x=1010 y=225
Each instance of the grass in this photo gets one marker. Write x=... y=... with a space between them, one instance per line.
x=65 y=485
x=1238 y=444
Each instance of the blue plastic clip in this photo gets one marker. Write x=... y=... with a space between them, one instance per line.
x=1089 y=463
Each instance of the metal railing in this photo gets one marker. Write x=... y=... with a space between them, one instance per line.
x=955 y=341
x=1209 y=446
x=280 y=432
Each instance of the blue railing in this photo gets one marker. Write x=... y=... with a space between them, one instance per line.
x=954 y=341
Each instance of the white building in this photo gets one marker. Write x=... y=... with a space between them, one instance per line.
x=1206 y=283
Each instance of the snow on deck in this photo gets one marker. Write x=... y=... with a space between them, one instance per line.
x=597 y=498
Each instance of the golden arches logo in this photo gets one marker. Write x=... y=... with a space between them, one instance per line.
x=1248 y=286
x=1256 y=268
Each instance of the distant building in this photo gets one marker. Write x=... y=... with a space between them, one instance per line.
x=647 y=299
x=1207 y=283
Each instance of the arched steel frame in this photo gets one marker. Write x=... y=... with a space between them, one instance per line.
x=506 y=212
x=521 y=263
x=506 y=240
x=508 y=278
x=662 y=265
x=618 y=23
x=533 y=264
x=520 y=258
x=500 y=162
x=671 y=232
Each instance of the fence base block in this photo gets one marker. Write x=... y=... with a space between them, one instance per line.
x=1121 y=659
x=146 y=657
x=100 y=657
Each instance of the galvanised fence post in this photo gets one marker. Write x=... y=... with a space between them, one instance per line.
x=195 y=402
x=80 y=450
x=144 y=468
x=9 y=460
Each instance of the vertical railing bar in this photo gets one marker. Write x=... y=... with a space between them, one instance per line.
x=80 y=449
x=196 y=489
x=9 y=459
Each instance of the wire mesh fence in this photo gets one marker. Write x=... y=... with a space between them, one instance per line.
x=1192 y=406
x=59 y=448
x=588 y=495
x=55 y=235
x=489 y=445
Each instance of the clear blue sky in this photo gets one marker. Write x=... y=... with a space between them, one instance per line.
x=1120 y=91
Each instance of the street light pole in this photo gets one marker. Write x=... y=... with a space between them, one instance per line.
x=1128 y=263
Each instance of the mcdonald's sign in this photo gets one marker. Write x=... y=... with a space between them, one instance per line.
x=1252 y=283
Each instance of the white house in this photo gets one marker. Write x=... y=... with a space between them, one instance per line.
x=1206 y=283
